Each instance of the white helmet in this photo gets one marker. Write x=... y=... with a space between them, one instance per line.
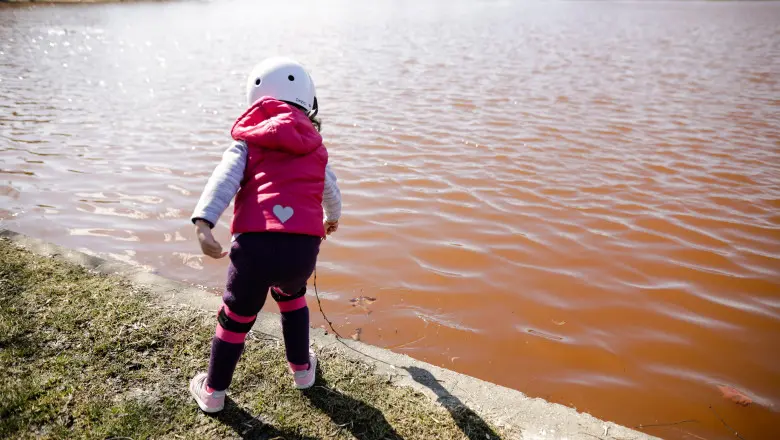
x=283 y=79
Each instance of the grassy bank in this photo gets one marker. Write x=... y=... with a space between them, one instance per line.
x=90 y=356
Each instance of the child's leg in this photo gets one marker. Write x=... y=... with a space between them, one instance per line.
x=295 y=328
x=245 y=294
x=299 y=255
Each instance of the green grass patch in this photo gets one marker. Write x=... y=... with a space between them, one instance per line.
x=84 y=355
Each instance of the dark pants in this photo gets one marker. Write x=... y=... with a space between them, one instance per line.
x=259 y=262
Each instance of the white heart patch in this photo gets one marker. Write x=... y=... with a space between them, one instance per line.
x=283 y=213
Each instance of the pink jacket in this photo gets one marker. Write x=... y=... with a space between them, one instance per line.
x=285 y=171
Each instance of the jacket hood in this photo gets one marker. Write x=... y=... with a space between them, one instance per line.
x=276 y=125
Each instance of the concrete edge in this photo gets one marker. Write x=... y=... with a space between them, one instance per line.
x=521 y=417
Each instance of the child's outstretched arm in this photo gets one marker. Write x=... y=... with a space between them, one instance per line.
x=331 y=201
x=222 y=186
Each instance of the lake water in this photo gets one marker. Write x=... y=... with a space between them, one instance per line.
x=579 y=200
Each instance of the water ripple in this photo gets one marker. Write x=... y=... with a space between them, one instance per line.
x=589 y=192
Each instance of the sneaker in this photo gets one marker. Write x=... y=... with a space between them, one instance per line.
x=209 y=402
x=305 y=378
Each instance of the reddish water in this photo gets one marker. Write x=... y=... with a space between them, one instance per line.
x=577 y=200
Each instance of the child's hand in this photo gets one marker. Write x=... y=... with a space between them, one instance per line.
x=208 y=244
x=330 y=227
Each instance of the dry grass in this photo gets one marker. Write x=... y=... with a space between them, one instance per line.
x=89 y=356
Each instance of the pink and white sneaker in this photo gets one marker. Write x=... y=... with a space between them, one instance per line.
x=305 y=378
x=209 y=402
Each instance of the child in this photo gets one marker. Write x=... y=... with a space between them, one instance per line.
x=277 y=168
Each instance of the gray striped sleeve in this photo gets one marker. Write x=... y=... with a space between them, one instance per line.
x=331 y=196
x=223 y=184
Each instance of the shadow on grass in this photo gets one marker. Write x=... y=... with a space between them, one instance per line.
x=362 y=420
x=472 y=425
x=252 y=427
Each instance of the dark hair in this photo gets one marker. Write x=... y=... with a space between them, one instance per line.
x=316 y=123
x=314 y=120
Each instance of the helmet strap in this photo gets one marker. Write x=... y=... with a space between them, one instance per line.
x=314 y=108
